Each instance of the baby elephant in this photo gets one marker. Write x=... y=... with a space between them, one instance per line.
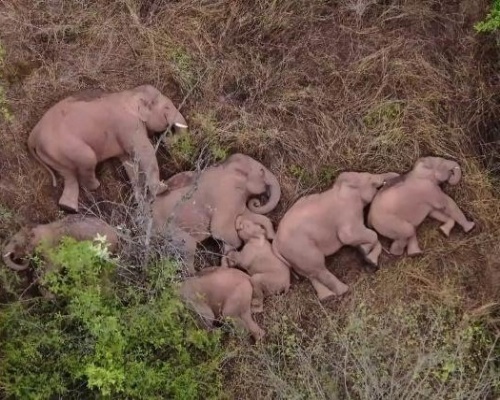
x=80 y=131
x=222 y=292
x=269 y=275
x=24 y=242
x=402 y=205
x=318 y=225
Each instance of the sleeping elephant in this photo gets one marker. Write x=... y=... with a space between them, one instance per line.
x=208 y=204
x=269 y=275
x=402 y=205
x=80 y=131
x=320 y=224
x=24 y=242
x=221 y=292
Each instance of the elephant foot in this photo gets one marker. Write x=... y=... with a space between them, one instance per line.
x=469 y=226
x=397 y=249
x=92 y=185
x=71 y=208
x=342 y=289
x=259 y=334
x=445 y=230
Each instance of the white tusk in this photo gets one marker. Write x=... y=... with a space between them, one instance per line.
x=8 y=254
x=182 y=126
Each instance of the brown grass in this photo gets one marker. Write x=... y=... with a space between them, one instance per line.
x=311 y=88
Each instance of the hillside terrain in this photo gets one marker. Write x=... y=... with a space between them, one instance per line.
x=310 y=88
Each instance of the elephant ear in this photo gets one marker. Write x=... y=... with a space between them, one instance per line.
x=145 y=108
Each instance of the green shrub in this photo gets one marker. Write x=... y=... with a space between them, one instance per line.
x=492 y=21
x=104 y=339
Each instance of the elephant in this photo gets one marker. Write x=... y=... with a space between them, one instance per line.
x=208 y=204
x=24 y=242
x=221 y=292
x=319 y=224
x=402 y=205
x=84 y=129
x=269 y=275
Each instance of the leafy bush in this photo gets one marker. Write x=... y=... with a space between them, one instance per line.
x=105 y=339
x=492 y=21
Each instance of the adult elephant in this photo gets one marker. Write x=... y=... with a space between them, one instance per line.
x=80 y=131
x=209 y=204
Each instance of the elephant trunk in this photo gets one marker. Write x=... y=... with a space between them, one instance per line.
x=274 y=190
x=8 y=259
x=455 y=172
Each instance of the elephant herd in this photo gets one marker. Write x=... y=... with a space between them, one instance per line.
x=224 y=202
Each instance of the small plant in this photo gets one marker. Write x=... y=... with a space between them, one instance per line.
x=492 y=21
x=184 y=147
x=104 y=339
x=182 y=64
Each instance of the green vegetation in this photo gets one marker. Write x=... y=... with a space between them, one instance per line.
x=492 y=21
x=102 y=338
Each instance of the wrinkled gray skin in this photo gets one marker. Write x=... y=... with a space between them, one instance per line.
x=269 y=275
x=24 y=242
x=320 y=224
x=398 y=209
x=221 y=292
x=208 y=204
x=82 y=130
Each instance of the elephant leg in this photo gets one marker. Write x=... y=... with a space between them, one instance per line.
x=69 y=198
x=205 y=313
x=448 y=223
x=258 y=282
x=132 y=171
x=413 y=248
x=86 y=162
x=238 y=306
x=146 y=156
x=189 y=245
x=249 y=323
x=363 y=238
x=322 y=291
x=398 y=247
x=454 y=212
x=399 y=230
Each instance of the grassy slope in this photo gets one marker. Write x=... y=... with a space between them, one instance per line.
x=310 y=88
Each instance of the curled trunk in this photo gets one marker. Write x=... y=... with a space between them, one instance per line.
x=455 y=172
x=274 y=191
x=8 y=258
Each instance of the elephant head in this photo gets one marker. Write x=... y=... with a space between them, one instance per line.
x=438 y=169
x=248 y=229
x=17 y=248
x=365 y=183
x=259 y=180
x=157 y=111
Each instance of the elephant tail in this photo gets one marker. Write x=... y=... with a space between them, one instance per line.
x=277 y=253
x=32 y=150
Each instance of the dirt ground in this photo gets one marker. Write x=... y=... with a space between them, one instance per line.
x=310 y=88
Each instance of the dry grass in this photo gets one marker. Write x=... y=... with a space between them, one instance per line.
x=311 y=88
